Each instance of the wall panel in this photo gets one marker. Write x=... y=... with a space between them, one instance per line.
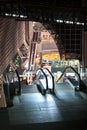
x=12 y=34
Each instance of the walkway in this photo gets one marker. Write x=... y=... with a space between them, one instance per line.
x=64 y=110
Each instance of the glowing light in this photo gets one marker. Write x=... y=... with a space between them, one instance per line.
x=69 y=22
x=15 y=15
x=22 y=16
x=6 y=14
x=59 y=21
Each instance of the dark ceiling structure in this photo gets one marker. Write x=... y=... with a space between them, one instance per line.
x=43 y=10
x=51 y=13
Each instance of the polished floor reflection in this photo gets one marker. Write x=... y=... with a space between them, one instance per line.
x=65 y=107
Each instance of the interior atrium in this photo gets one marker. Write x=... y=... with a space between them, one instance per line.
x=43 y=64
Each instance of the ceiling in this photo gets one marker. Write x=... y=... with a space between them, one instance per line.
x=43 y=10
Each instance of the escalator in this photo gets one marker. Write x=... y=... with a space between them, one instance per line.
x=71 y=77
x=44 y=80
x=68 y=80
x=12 y=87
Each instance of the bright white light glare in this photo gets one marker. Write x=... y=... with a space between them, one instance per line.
x=78 y=23
x=66 y=21
x=22 y=16
x=15 y=15
x=59 y=21
x=6 y=14
x=69 y=22
x=82 y=23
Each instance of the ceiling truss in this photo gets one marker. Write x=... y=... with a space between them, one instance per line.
x=42 y=12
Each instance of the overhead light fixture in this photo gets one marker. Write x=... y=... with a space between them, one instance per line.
x=78 y=23
x=6 y=14
x=15 y=15
x=22 y=16
x=69 y=22
x=59 y=21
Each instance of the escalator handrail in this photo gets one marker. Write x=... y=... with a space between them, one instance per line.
x=19 y=82
x=73 y=70
x=45 y=76
x=51 y=76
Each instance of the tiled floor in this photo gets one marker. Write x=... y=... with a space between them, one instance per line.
x=65 y=109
